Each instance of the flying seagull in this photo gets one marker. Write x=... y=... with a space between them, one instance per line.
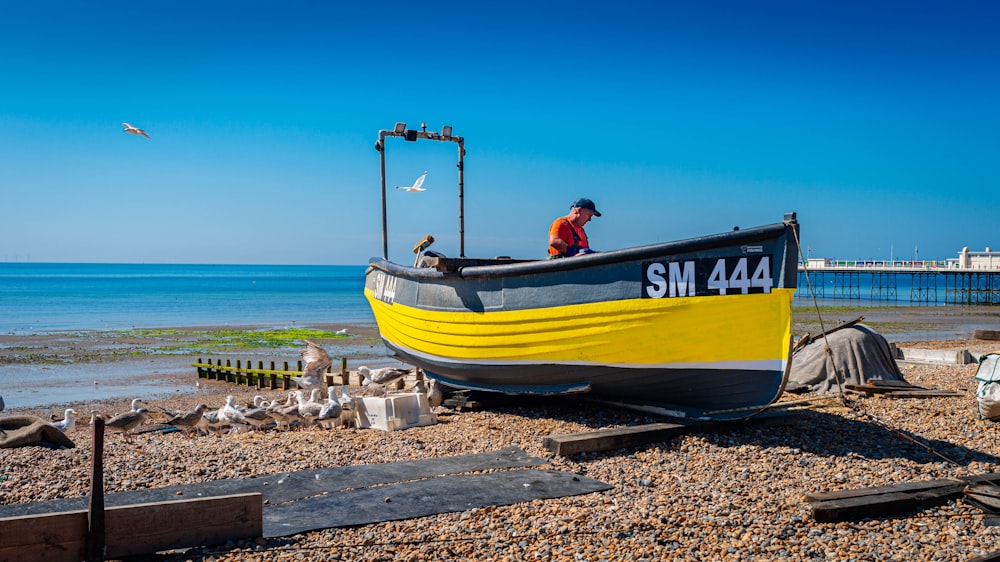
x=317 y=362
x=133 y=130
x=416 y=185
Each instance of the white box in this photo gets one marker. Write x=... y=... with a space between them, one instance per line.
x=396 y=411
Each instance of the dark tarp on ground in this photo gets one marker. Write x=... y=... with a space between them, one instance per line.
x=18 y=431
x=860 y=354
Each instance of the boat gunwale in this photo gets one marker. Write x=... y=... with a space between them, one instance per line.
x=517 y=268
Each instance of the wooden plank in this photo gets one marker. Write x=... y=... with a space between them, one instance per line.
x=890 y=500
x=892 y=383
x=53 y=537
x=816 y=497
x=613 y=438
x=133 y=529
x=853 y=508
x=984 y=496
x=929 y=393
x=879 y=389
x=986 y=334
x=618 y=437
x=151 y=527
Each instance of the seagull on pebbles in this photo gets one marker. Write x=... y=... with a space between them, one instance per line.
x=125 y=423
x=329 y=413
x=68 y=422
x=229 y=414
x=380 y=377
x=188 y=421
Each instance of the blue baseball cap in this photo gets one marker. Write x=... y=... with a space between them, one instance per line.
x=585 y=203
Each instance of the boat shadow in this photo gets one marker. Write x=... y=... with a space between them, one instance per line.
x=812 y=432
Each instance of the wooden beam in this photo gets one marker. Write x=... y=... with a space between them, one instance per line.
x=986 y=334
x=152 y=527
x=54 y=537
x=95 y=509
x=133 y=529
x=630 y=436
x=614 y=438
x=879 y=501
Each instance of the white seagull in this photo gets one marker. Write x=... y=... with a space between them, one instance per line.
x=416 y=185
x=434 y=395
x=380 y=377
x=347 y=405
x=308 y=409
x=133 y=130
x=431 y=391
x=317 y=362
x=329 y=414
x=229 y=414
x=68 y=422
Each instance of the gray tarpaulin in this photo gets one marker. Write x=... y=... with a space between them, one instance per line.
x=859 y=353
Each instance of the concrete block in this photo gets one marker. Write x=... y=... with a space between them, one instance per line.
x=941 y=356
x=396 y=411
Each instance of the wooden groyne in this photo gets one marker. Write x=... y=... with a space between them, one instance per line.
x=273 y=378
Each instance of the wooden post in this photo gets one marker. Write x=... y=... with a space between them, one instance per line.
x=229 y=371
x=286 y=382
x=238 y=375
x=95 y=513
x=274 y=378
x=260 y=376
x=344 y=377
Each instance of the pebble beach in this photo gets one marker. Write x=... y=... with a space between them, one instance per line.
x=733 y=495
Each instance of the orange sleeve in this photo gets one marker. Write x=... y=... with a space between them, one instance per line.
x=562 y=230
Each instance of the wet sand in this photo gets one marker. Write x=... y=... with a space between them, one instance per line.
x=90 y=367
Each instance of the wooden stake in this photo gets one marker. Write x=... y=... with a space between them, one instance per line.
x=95 y=513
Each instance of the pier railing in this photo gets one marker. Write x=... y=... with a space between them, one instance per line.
x=921 y=282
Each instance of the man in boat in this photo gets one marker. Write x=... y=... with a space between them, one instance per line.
x=566 y=235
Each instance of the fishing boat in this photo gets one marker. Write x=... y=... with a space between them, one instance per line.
x=697 y=328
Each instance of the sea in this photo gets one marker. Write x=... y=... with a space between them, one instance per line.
x=45 y=297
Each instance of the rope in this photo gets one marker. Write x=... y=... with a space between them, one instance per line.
x=853 y=405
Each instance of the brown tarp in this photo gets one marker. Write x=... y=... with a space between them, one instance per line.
x=18 y=431
x=858 y=353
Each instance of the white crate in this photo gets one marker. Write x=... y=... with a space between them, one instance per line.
x=396 y=411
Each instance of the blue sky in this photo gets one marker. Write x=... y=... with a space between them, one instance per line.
x=877 y=122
